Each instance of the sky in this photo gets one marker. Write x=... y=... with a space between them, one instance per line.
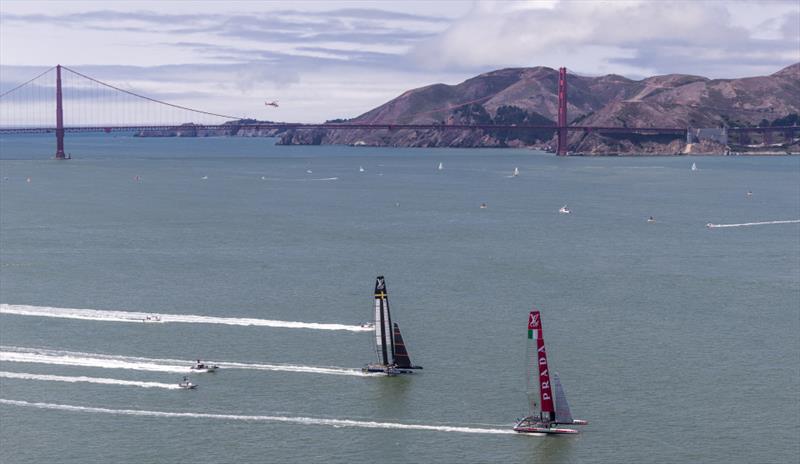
x=323 y=60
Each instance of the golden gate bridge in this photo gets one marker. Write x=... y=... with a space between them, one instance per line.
x=85 y=104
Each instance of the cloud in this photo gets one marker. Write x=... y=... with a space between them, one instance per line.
x=640 y=37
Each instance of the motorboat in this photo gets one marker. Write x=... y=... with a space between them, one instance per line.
x=200 y=366
x=483 y=206
x=564 y=210
x=152 y=318
x=186 y=385
x=651 y=220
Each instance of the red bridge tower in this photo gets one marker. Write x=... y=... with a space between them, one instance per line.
x=59 y=118
x=561 y=150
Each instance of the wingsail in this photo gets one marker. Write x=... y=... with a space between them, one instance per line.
x=393 y=357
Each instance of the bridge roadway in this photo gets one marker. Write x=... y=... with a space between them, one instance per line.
x=339 y=126
x=365 y=126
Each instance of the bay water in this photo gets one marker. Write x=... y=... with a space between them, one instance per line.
x=679 y=343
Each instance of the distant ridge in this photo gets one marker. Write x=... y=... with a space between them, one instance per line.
x=528 y=96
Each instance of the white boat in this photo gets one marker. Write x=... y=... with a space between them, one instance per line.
x=152 y=318
x=309 y=171
x=749 y=194
x=651 y=220
x=393 y=358
x=441 y=166
x=186 y=385
x=204 y=178
x=200 y=366
x=360 y=169
x=564 y=210
x=694 y=167
x=484 y=206
x=546 y=395
x=515 y=173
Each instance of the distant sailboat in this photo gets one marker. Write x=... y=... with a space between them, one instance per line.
x=360 y=169
x=441 y=166
x=694 y=167
x=545 y=413
x=564 y=210
x=516 y=172
x=393 y=357
x=204 y=178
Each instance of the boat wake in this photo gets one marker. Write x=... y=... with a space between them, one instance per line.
x=260 y=418
x=157 y=318
x=747 y=224
x=73 y=358
x=72 y=379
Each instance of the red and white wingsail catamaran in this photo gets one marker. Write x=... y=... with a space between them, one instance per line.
x=393 y=357
x=548 y=402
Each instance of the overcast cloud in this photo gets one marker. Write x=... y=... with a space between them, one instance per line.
x=323 y=62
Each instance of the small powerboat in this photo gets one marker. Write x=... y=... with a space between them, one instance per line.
x=651 y=220
x=186 y=385
x=564 y=210
x=200 y=366
x=367 y=325
x=152 y=318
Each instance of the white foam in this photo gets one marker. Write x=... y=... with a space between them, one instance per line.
x=158 y=318
x=73 y=358
x=260 y=418
x=746 y=224
x=101 y=380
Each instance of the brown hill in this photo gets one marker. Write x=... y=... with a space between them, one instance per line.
x=528 y=96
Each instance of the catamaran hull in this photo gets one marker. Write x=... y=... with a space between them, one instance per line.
x=546 y=430
x=390 y=371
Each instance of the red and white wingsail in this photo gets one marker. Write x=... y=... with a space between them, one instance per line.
x=544 y=389
x=538 y=371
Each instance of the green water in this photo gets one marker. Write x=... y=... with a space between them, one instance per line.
x=678 y=343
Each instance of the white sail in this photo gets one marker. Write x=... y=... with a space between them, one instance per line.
x=694 y=167
x=563 y=414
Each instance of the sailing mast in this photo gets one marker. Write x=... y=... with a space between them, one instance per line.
x=544 y=417
x=547 y=411
x=393 y=357
x=384 y=335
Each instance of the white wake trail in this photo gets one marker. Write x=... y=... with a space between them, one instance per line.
x=158 y=318
x=747 y=224
x=73 y=358
x=100 y=380
x=248 y=418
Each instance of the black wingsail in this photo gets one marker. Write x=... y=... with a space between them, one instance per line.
x=383 y=322
x=401 y=358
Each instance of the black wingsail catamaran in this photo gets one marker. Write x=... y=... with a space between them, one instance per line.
x=547 y=415
x=393 y=357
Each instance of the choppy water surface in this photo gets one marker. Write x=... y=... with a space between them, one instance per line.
x=677 y=342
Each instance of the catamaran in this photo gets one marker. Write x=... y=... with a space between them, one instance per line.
x=393 y=357
x=545 y=414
